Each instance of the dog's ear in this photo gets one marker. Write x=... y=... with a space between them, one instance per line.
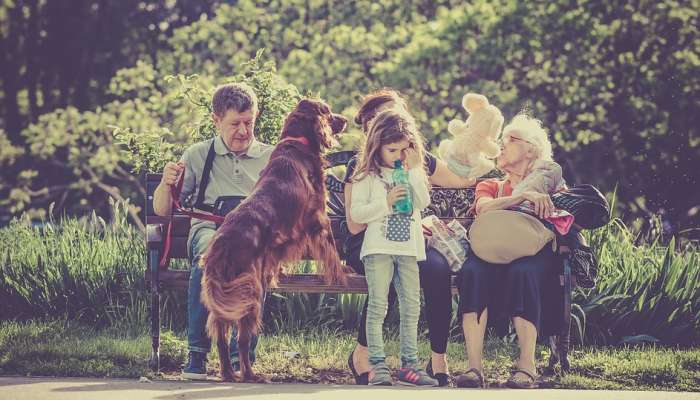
x=320 y=119
x=338 y=123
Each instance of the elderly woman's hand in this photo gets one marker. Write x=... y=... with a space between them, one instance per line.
x=542 y=203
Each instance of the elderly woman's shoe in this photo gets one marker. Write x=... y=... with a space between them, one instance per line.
x=442 y=378
x=471 y=379
x=527 y=380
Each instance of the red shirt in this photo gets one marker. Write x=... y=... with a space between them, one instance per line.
x=489 y=189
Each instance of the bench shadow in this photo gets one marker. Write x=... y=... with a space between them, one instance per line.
x=204 y=390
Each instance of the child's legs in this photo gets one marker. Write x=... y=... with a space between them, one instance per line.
x=379 y=269
x=407 y=284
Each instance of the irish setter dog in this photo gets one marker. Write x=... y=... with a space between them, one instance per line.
x=283 y=220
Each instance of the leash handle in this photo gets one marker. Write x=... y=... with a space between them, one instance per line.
x=175 y=191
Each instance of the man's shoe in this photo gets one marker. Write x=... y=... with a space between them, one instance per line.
x=196 y=368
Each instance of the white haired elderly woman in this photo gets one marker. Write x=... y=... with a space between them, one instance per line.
x=525 y=291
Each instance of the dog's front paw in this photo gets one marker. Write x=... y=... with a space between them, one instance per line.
x=231 y=376
x=254 y=378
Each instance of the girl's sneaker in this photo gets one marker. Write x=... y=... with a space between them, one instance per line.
x=380 y=375
x=412 y=376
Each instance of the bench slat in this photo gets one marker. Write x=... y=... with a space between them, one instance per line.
x=303 y=283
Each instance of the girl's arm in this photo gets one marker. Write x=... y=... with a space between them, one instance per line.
x=419 y=186
x=363 y=208
x=353 y=227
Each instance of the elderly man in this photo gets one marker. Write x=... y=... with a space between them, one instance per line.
x=217 y=171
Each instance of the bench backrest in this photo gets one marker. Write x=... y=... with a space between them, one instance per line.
x=445 y=204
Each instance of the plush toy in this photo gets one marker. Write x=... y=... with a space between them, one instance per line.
x=474 y=146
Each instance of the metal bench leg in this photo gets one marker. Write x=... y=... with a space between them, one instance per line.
x=153 y=259
x=565 y=338
x=553 y=354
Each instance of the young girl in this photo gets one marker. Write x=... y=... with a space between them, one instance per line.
x=393 y=242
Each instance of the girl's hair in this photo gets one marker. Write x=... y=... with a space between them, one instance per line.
x=389 y=126
x=372 y=102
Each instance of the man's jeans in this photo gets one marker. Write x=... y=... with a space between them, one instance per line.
x=381 y=270
x=197 y=314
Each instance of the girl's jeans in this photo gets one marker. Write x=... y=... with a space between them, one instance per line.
x=381 y=270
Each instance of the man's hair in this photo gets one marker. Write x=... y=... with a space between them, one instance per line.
x=234 y=96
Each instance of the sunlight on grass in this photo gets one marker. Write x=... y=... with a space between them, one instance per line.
x=61 y=348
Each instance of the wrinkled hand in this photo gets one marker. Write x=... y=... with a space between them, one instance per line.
x=542 y=203
x=172 y=172
x=395 y=195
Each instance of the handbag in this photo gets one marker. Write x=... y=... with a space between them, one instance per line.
x=502 y=236
x=225 y=204
x=450 y=240
x=588 y=206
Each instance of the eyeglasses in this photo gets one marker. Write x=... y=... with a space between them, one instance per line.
x=511 y=138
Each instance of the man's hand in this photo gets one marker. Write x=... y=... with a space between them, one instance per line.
x=172 y=172
x=542 y=203
x=395 y=194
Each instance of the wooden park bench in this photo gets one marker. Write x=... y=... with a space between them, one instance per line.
x=447 y=204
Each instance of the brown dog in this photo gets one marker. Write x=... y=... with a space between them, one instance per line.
x=283 y=220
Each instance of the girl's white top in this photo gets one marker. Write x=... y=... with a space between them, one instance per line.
x=369 y=206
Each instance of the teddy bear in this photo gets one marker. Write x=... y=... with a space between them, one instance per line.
x=474 y=146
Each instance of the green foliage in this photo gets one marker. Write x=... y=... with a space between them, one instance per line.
x=614 y=85
x=149 y=149
x=93 y=271
x=80 y=269
x=649 y=290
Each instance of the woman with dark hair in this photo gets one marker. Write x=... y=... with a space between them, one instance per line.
x=435 y=272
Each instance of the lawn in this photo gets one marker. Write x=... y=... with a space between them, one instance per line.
x=62 y=348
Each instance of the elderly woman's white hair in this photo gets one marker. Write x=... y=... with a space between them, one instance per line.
x=530 y=129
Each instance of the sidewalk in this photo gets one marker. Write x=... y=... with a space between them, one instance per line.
x=19 y=388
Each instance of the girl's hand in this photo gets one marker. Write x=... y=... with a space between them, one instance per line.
x=542 y=203
x=411 y=159
x=395 y=194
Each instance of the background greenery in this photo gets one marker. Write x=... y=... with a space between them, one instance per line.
x=615 y=83
x=92 y=272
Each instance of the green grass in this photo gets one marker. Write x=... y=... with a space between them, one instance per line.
x=90 y=271
x=61 y=348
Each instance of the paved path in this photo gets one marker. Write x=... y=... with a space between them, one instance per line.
x=125 y=389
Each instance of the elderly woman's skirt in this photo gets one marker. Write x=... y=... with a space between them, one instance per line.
x=527 y=287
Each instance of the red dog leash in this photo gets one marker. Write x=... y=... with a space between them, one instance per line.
x=175 y=191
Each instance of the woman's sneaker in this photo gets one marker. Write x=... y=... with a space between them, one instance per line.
x=380 y=375
x=412 y=376
x=196 y=368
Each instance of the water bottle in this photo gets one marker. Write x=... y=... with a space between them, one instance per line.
x=400 y=178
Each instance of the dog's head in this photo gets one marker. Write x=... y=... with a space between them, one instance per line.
x=314 y=120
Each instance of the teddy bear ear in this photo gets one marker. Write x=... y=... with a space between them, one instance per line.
x=473 y=102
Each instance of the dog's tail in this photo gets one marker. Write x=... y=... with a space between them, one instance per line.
x=230 y=301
